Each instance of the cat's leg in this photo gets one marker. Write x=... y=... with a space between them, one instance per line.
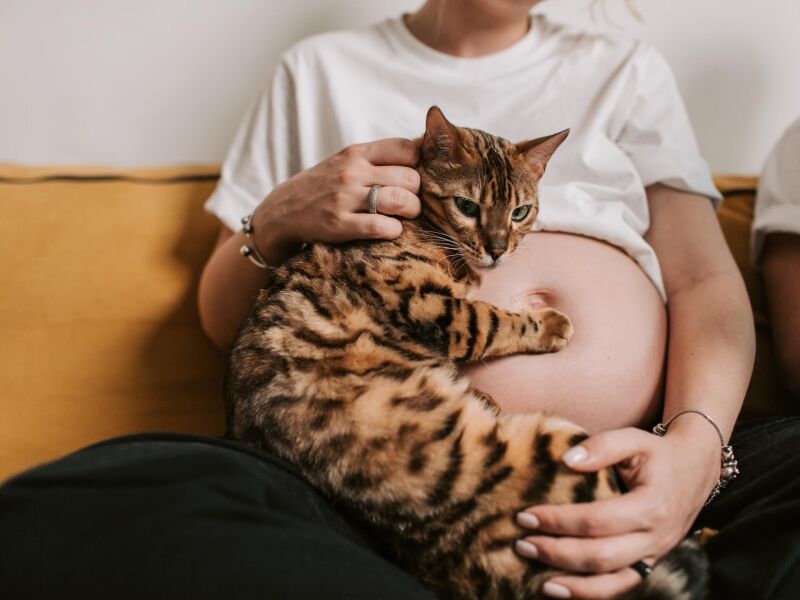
x=490 y=469
x=408 y=446
x=474 y=330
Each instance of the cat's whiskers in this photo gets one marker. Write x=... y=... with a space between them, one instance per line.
x=460 y=260
x=442 y=234
x=448 y=241
x=441 y=245
x=439 y=235
x=438 y=232
x=443 y=240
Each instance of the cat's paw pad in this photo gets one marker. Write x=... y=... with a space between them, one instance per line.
x=554 y=329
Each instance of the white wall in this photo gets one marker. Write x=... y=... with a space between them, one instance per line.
x=132 y=82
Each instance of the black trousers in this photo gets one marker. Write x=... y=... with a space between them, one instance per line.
x=177 y=516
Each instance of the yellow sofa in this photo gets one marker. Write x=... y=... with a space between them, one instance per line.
x=99 y=334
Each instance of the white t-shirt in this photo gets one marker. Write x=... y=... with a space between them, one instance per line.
x=618 y=95
x=778 y=201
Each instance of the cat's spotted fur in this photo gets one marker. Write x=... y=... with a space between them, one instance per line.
x=346 y=368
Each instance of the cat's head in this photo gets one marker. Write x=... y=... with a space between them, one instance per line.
x=480 y=189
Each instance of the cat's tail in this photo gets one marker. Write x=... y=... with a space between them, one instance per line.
x=682 y=574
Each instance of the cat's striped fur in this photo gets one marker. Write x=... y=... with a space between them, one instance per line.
x=346 y=367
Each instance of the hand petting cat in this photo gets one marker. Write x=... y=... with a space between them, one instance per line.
x=668 y=484
x=327 y=203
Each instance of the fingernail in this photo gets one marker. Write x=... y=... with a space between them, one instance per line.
x=555 y=590
x=575 y=455
x=528 y=520
x=527 y=549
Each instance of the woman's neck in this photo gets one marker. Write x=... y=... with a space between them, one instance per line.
x=470 y=28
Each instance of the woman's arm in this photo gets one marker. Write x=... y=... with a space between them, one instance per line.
x=712 y=340
x=781 y=260
x=325 y=203
x=228 y=285
x=709 y=361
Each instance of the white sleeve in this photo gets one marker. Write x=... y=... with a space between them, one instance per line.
x=657 y=134
x=778 y=201
x=263 y=153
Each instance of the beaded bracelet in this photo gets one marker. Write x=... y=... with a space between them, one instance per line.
x=251 y=251
x=728 y=465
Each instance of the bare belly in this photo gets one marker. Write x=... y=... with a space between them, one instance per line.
x=610 y=374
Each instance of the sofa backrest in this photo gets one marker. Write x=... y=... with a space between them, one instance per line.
x=99 y=333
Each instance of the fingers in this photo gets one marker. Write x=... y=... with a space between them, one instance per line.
x=587 y=555
x=391 y=201
x=353 y=223
x=371 y=227
x=630 y=512
x=390 y=151
x=594 y=587
x=608 y=448
x=394 y=176
x=339 y=188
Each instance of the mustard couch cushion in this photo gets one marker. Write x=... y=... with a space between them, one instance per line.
x=99 y=332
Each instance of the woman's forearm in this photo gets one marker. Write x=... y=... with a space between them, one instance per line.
x=709 y=362
x=712 y=340
x=711 y=351
x=229 y=285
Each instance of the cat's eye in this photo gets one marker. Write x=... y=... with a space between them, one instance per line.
x=467 y=207
x=521 y=212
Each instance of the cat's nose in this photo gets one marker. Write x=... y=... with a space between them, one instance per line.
x=495 y=251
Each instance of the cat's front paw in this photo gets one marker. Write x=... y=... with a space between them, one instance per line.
x=551 y=330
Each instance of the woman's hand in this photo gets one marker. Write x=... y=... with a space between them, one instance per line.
x=668 y=480
x=328 y=202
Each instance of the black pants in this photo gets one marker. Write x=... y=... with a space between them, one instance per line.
x=175 y=516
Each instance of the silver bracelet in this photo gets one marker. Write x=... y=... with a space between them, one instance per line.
x=251 y=251
x=728 y=465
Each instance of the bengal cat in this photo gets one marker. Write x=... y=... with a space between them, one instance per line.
x=347 y=368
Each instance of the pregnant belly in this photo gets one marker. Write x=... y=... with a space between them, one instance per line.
x=610 y=374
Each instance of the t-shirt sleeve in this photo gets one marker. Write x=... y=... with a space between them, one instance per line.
x=778 y=202
x=657 y=134
x=264 y=152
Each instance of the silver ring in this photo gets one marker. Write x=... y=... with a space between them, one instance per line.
x=372 y=199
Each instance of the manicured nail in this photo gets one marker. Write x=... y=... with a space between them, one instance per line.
x=555 y=590
x=527 y=549
x=528 y=520
x=573 y=456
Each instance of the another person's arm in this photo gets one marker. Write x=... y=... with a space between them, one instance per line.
x=325 y=203
x=781 y=266
x=776 y=249
x=710 y=358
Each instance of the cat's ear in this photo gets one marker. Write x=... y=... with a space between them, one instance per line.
x=537 y=152
x=441 y=136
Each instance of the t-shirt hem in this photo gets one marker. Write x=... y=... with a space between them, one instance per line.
x=668 y=170
x=229 y=204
